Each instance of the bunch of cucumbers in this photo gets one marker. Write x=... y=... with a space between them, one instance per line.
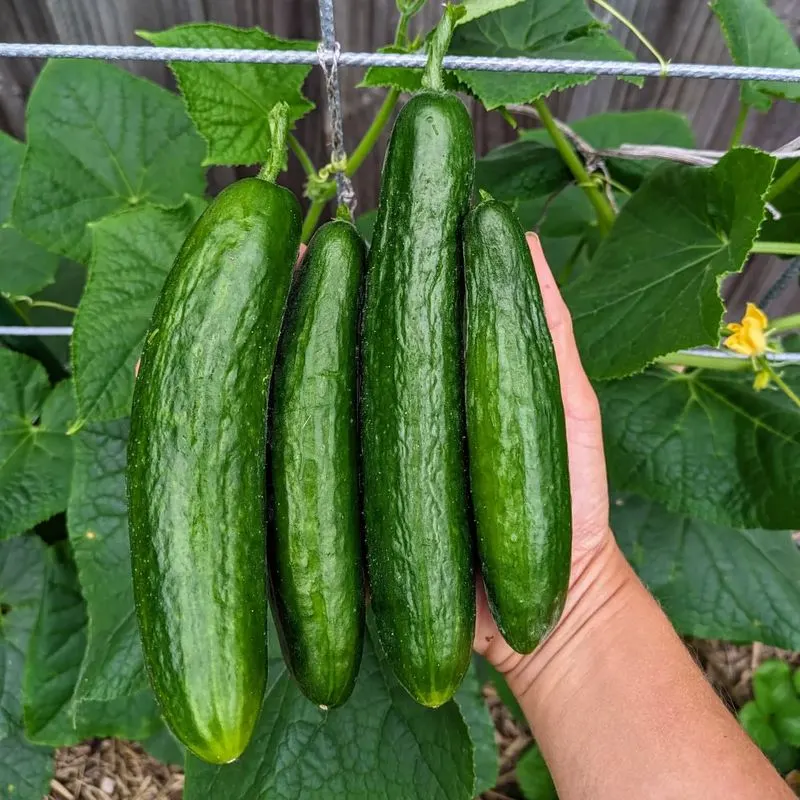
x=411 y=395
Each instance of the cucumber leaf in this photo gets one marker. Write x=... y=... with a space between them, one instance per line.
x=653 y=284
x=756 y=37
x=21 y=582
x=379 y=744
x=229 y=103
x=25 y=267
x=55 y=652
x=35 y=452
x=100 y=140
x=131 y=256
x=713 y=581
x=25 y=769
x=706 y=445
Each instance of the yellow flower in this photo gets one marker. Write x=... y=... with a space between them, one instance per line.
x=749 y=337
x=761 y=380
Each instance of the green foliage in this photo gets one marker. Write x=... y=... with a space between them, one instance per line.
x=713 y=581
x=757 y=38
x=35 y=452
x=705 y=445
x=229 y=103
x=380 y=741
x=772 y=718
x=100 y=140
x=534 y=777
x=112 y=666
x=24 y=266
x=536 y=29
x=131 y=255
x=112 y=177
x=653 y=284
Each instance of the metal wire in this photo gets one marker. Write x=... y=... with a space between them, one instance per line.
x=329 y=53
x=775 y=358
x=478 y=63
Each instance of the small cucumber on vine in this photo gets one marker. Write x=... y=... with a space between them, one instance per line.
x=197 y=458
x=315 y=532
x=519 y=475
x=415 y=493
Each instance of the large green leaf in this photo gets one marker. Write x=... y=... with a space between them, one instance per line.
x=522 y=170
x=21 y=582
x=615 y=128
x=478 y=8
x=24 y=266
x=35 y=452
x=537 y=29
x=131 y=256
x=230 y=103
x=100 y=140
x=379 y=744
x=469 y=699
x=25 y=769
x=55 y=652
x=706 y=446
x=653 y=285
x=714 y=582
x=757 y=38
x=98 y=528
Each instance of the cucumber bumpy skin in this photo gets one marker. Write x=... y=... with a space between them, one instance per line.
x=197 y=463
x=315 y=532
x=419 y=551
x=519 y=472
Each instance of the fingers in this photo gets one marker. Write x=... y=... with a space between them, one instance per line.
x=579 y=398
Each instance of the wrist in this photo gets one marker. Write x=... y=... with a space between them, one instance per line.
x=600 y=590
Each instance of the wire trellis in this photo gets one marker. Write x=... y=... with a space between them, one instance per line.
x=330 y=57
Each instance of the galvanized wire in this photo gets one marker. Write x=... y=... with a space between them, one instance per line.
x=413 y=60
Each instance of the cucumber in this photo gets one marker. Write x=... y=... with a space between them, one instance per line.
x=519 y=474
x=415 y=495
x=197 y=463
x=314 y=541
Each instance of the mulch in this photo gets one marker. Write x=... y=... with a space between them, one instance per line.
x=112 y=769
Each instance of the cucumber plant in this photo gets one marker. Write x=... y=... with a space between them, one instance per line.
x=94 y=209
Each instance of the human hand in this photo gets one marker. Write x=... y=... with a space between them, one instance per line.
x=593 y=545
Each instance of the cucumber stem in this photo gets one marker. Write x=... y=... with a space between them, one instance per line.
x=603 y=209
x=738 y=130
x=440 y=42
x=302 y=155
x=278 y=138
x=781 y=184
x=776 y=248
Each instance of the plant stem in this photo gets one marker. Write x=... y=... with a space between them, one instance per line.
x=781 y=384
x=312 y=217
x=706 y=362
x=302 y=156
x=31 y=303
x=278 y=135
x=636 y=32
x=781 y=184
x=374 y=131
x=433 y=77
x=787 y=323
x=741 y=121
x=777 y=248
x=605 y=214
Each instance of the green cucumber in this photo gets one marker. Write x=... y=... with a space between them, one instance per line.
x=415 y=494
x=519 y=474
x=314 y=542
x=197 y=464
